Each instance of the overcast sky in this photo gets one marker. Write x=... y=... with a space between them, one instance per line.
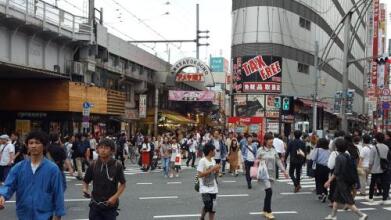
x=170 y=19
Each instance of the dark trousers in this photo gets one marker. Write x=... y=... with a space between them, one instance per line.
x=247 y=166
x=192 y=158
x=321 y=177
x=223 y=163
x=295 y=168
x=278 y=168
x=267 y=203
x=99 y=214
x=120 y=157
x=4 y=170
x=382 y=177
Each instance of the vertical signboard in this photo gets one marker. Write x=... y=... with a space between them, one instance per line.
x=143 y=106
x=375 y=45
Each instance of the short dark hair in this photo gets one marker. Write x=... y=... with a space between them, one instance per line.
x=340 y=145
x=38 y=135
x=388 y=133
x=339 y=134
x=323 y=143
x=53 y=137
x=348 y=138
x=268 y=137
x=379 y=137
x=208 y=148
x=356 y=139
x=297 y=134
x=366 y=139
x=108 y=143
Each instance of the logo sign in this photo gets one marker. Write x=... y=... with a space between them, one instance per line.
x=143 y=106
x=257 y=74
x=190 y=77
x=272 y=114
x=386 y=105
x=196 y=63
x=195 y=96
x=218 y=64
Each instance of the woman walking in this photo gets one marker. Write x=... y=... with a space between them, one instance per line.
x=320 y=157
x=268 y=156
x=176 y=158
x=145 y=154
x=165 y=153
x=233 y=157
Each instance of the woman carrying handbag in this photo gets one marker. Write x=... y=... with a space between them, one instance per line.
x=268 y=158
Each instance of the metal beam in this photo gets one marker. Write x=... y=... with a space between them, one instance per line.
x=161 y=41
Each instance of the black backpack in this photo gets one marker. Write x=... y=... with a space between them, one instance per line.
x=350 y=174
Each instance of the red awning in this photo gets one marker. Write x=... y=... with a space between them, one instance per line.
x=309 y=103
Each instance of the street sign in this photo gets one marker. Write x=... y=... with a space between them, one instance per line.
x=386 y=105
x=386 y=92
x=86 y=105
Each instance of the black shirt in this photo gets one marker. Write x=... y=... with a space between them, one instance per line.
x=57 y=154
x=293 y=147
x=21 y=149
x=105 y=178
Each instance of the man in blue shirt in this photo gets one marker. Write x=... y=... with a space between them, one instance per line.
x=37 y=183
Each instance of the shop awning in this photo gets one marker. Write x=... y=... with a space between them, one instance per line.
x=170 y=116
x=309 y=103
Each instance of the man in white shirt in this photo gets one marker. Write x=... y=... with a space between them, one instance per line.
x=7 y=153
x=207 y=174
x=279 y=146
x=365 y=155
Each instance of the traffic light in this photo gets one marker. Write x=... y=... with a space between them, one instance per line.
x=285 y=104
x=277 y=102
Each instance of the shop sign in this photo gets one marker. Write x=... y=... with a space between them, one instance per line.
x=288 y=119
x=189 y=77
x=272 y=114
x=143 y=106
x=272 y=127
x=197 y=64
x=195 y=96
x=31 y=115
x=257 y=74
x=131 y=114
x=245 y=120
x=250 y=105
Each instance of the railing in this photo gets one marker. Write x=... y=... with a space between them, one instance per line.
x=49 y=14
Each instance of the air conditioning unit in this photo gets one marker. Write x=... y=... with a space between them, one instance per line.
x=77 y=68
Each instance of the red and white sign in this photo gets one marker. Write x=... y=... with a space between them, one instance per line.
x=198 y=96
x=375 y=42
x=190 y=77
x=266 y=87
x=245 y=120
x=385 y=92
x=143 y=106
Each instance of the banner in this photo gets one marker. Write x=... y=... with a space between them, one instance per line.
x=257 y=74
x=190 y=77
x=375 y=45
x=143 y=106
x=250 y=105
x=195 y=96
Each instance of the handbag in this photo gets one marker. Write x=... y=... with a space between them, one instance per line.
x=262 y=173
x=178 y=160
x=254 y=170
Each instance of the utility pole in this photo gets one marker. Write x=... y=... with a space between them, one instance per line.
x=315 y=104
x=345 y=72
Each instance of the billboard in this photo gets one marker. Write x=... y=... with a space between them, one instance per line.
x=257 y=74
x=218 y=64
x=197 y=96
x=250 y=105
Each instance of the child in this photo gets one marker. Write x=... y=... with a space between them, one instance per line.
x=108 y=179
x=176 y=158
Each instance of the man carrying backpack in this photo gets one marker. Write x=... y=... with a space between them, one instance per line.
x=345 y=174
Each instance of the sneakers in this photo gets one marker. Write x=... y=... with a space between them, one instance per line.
x=369 y=200
x=363 y=217
x=268 y=215
x=330 y=217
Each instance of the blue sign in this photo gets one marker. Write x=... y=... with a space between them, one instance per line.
x=386 y=105
x=217 y=64
x=86 y=105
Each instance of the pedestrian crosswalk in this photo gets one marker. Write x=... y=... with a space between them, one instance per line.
x=308 y=186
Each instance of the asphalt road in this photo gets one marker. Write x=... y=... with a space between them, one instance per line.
x=151 y=196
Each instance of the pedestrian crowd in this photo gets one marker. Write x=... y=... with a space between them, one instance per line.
x=342 y=166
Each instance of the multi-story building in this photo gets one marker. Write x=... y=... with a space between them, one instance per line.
x=284 y=33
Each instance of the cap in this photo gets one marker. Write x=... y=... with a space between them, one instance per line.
x=4 y=137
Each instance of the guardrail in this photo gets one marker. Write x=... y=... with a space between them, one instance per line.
x=49 y=14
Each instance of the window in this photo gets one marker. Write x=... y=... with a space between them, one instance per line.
x=303 y=68
x=304 y=23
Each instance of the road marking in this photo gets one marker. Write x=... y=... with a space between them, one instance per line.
x=275 y=213
x=177 y=216
x=143 y=183
x=387 y=208
x=304 y=183
x=298 y=193
x=388 y=202
x=229 y=181
x=308 y=186
x=169 y=183
x=78 y=184
x=233 y=195
x=362 y=209
x=66 y=200
x=158 y=197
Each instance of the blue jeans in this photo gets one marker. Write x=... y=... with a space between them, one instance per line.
x=166 y=165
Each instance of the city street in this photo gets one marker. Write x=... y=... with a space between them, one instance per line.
x=151 y=196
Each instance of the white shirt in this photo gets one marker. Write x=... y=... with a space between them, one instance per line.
x=216 y=143
x=193 y=144
x=175 y=151
x=34 y=167
x=93 y=143
x=5 y=155
x=365 y=155
x=279 y=145
x=208 y=184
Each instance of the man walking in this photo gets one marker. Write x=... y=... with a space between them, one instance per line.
x=36 y=180
x=279 y=146
x=108 y=179
x=296 y=151
x=7 y=153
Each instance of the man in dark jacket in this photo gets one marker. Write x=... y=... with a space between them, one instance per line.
x=296 y=151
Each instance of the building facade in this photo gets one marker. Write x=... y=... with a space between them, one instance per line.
x=286 y=31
